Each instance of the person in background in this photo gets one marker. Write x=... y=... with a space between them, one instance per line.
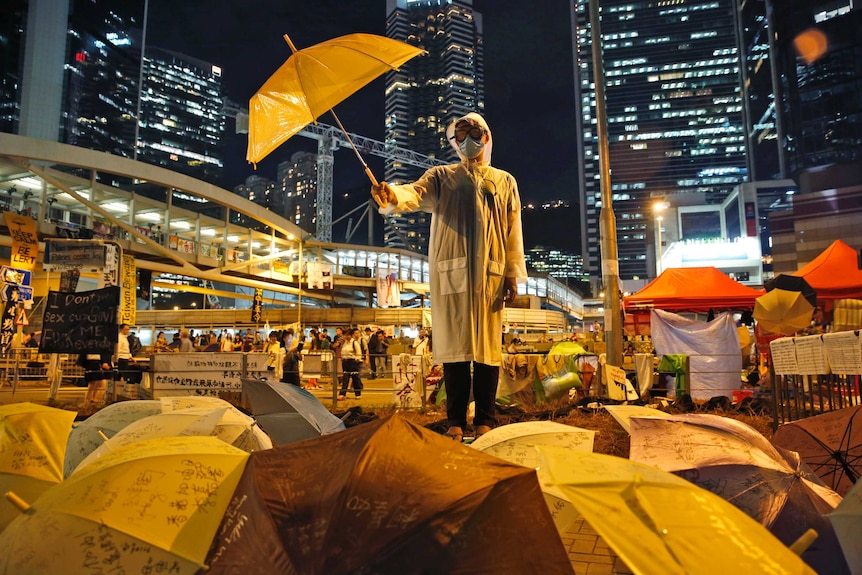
x=32 y=341
x=420 y=344
x=226 y=343
x=476 y=257
x=161 y=344
x=97 y=370
x=375 y=353
x=272 y=348
x=351 y=363
x=126 y=363
x=186 y=345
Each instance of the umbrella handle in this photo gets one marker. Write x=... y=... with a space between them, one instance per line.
x=22 y=505
x=355 y=150
x=804 y=542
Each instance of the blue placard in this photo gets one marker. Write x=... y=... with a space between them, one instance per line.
x=11 y=275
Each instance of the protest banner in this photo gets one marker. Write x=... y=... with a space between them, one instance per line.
x=81 y=322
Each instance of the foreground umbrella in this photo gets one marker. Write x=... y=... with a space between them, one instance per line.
x=172 y=424
x=288 y=413
x=516 y=443
x=32 y=446
x=312 y=81
x=150 y=507
x=661 y=524
x=90 y=434
x=234 y=427
x=847 y=520
x=386 y=497
x=734 y=461
x=830 y=443
x=787 y=305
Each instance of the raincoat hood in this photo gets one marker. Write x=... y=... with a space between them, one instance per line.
x=476 y=120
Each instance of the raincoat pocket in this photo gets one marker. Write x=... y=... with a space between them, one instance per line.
x=495 y=279
x=453 y=275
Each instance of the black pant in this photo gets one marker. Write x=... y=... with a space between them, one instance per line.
x=129 y=371
x=351 y=372
x=456 y=377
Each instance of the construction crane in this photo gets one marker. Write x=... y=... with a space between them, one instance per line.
x=330 y=138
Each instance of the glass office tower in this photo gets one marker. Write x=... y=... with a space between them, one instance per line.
x=428 y=92
x=675 y=116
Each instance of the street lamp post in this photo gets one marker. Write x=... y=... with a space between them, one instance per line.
x=659 y=208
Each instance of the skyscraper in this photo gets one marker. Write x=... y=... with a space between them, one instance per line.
x=428 y=92
x=298 y=180
x=674 y=109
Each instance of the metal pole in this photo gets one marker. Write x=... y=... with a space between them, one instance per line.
x=659 y=220
x=607 y=219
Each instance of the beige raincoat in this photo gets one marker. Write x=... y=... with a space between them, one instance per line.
x=476 y=241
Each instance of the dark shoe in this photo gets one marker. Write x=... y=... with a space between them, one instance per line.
x=455 y=433
x=482 y=430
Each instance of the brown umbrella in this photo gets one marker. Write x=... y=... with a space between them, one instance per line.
x=830 y=443
x=386 y=497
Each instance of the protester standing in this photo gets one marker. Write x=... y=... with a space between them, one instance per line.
x=476 y=257
x=351 y=363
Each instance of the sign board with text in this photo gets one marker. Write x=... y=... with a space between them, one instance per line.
x=81 y=322
x=63 y=255
x=25 y=241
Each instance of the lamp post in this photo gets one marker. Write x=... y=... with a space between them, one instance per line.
x=658 y=208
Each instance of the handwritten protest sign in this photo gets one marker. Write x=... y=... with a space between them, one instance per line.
x=82 y=322
x=25 y=242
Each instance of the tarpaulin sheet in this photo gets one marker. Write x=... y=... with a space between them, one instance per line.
x=713 y=349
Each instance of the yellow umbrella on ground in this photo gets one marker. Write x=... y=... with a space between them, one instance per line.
x=783 y=311
x=150 y=507
x=32 y=447
x=516 y=443
x=315 y=79
x=661 y=524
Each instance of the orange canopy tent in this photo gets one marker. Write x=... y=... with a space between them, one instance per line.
x=692 y=289
x=835 y=273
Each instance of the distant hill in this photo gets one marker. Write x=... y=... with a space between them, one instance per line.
x=557 y=228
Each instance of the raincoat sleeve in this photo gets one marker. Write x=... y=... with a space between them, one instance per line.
x=516 y=266
x=420 y=195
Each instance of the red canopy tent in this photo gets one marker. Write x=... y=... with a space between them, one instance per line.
x=692 y=289
x=835 y=273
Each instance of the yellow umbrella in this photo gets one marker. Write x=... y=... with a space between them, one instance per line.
x=516 y=443
x=32 y=447
x=312 y=81
x=783 y=311
x=150 y=507
x=662 y=524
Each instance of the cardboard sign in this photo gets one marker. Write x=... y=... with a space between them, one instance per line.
x=81 y=322
x=25 y=241
x=129 y=303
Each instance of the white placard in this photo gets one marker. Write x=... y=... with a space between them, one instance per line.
x=783 y=354
x=843 y=352
x=810 y=355
x=198 y=362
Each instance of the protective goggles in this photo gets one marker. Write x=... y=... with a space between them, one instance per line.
x=465 y=129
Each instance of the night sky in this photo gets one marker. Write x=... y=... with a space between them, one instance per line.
x=528 y=77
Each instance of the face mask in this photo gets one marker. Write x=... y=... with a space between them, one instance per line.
x=470 y=147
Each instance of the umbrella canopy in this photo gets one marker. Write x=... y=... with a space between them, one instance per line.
x=847 y=521
x=199 y=422
x=516 y=443
x=149 y=507
x=830 y=443
x=386 y=497
x=624 y=413
x=86 y=436
x=661 y=524
x=288 y=413
x=313 y=80
x=835 y=273
x=234 y=427
x=734 y=461
x=782 y=311
x=33 y=442
x=793 y=283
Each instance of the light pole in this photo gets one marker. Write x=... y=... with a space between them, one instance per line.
x=658 y=208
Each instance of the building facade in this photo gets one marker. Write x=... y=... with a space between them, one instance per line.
x=298 y=181
x=674 y=116
x=428 y=92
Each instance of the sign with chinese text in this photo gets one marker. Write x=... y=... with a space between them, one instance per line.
x=257 y=304
x=25 y=242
